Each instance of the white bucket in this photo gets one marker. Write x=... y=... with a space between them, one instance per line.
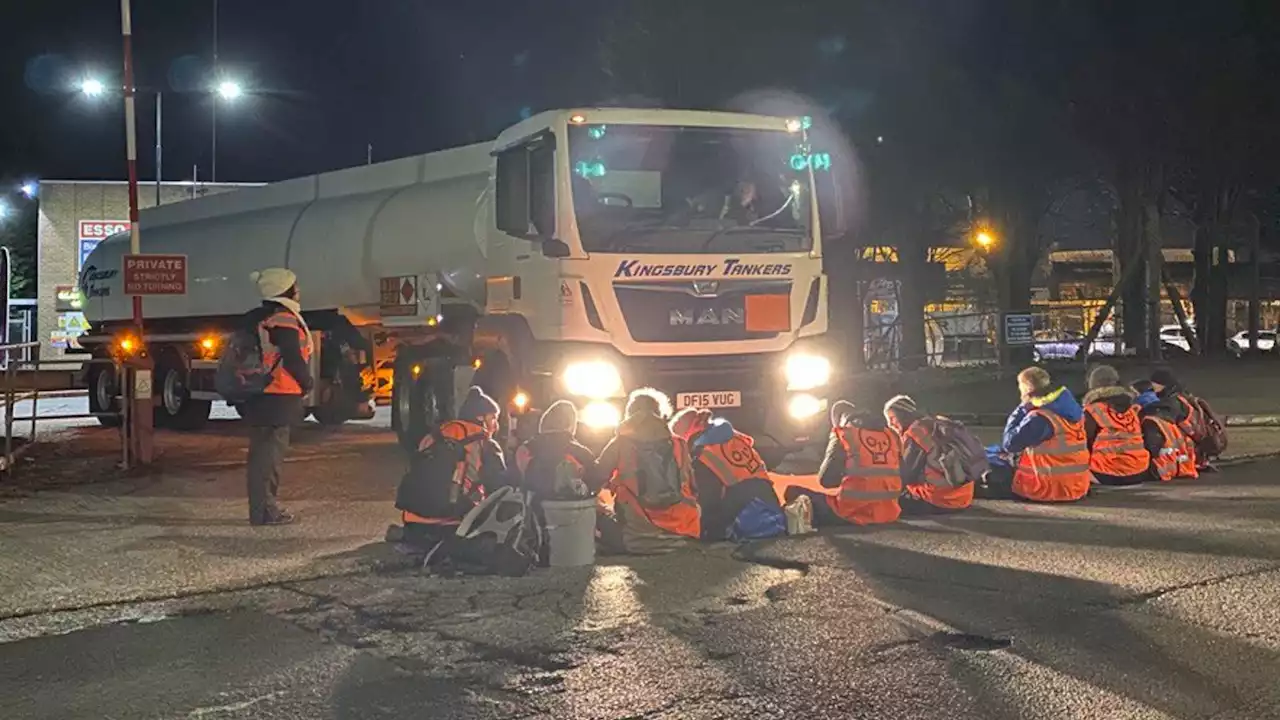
x=571 y=531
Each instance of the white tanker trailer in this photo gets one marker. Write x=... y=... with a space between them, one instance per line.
x=581 y=254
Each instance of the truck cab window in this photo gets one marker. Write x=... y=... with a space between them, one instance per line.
x=525 y=194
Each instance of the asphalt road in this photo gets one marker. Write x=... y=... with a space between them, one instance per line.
x=150 y=597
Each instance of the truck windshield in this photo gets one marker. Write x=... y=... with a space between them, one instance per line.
x=670 y=189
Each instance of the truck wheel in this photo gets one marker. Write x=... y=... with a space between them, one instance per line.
x=176 y=409
x=103 y=387
x=413 y=402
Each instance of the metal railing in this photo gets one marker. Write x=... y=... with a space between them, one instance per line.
x=13 y=365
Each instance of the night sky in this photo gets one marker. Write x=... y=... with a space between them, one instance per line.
x=326 y=78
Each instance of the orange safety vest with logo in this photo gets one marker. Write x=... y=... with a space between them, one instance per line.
x=734 y=460
x=682 y=518
x=1056 y=470
x=1166 y=463
x=936 y=490
x=467 y=474
x=1117 y=449
x=871 y=485
x=282 y=383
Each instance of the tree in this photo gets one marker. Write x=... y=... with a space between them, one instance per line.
x=18 y=233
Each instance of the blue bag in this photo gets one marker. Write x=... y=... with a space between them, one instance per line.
x=758 y=520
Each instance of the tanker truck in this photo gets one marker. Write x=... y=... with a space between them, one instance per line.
x=581 y=254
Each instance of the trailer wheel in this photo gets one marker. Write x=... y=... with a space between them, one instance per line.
x=104 y=385
x=176 y=409
x=413 y=401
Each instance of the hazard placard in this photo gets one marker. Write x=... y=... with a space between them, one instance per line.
x=408 y=300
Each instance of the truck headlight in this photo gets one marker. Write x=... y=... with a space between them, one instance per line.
x=805 y=406
x=806 y=371
x=599 y=415
x=594 y=379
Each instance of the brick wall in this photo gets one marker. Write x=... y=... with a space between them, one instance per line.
x=62 y=206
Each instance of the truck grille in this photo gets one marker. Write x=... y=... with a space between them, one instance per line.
x=693 y=311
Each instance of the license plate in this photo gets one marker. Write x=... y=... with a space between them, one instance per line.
x=715 y=399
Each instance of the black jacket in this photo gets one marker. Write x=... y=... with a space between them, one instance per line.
x=428 y=488
x=831 y=474
x=545 y=451
x=914 y=457
x=274 y=409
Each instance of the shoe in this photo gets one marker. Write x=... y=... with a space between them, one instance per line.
x=279 y=517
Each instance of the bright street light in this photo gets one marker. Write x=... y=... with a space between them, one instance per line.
x=92 y=87
x=230 y=90
x=29 y=189
x=984 y=239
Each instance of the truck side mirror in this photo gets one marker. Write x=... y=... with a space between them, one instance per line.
x=553 y=248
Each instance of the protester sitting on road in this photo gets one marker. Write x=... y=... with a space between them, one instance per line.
x=1172 y=452
x=650 y=475
x=1113 y=429
x=287 y=351
x=1044 y=446
x=730 y=477
x=1193 y=416
x=553 y=464
x=862 y=460
x=456 y=466
x=926 y=486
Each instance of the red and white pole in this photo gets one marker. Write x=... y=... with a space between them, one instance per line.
x=139 y=390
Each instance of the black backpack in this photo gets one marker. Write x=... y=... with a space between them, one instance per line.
x=658 y=478
x=433 y=487
x=242 y=373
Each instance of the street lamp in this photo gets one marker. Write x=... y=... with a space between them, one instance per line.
x=984 y=239
x=29 y=189
x=230 y=90
x=92 y=87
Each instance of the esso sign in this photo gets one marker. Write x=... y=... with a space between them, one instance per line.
x=101 y=228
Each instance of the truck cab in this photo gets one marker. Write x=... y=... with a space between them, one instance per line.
x=675 y=249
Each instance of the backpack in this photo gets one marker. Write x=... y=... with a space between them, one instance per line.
x=425 y=491
x=957 y=452
x=242 y=373
x=658 y=477
x=758 y=520
x=499 y=536
x=1213 y=434
x=557 y=477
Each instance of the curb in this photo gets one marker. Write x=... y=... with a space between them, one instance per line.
x=998 y=420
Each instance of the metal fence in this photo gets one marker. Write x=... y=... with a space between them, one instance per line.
x=15 y=365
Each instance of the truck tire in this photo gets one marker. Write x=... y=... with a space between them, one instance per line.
x=413 y=401
x=176 y=410
x=104 y=385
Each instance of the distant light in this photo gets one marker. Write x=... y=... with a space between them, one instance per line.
x=577 y=119
x=984 y=239
x=796 y=188
x=4 y=209
x=795 y=125
x=520 y=401
x=589 y=169
x=596 y=132
x=880 y=139
x=806 y=122
x=30 y=189
x=92 y=87
x=230 y=90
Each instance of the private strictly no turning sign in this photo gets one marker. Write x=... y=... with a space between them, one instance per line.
x=155 y=274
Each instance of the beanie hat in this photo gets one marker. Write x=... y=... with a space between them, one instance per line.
x=477 y=405
x=562 y=416
x=1165 y=377
x=841 y=412
x=902 y=403
x=689 y=421
x=1103 y=376
x=273 y=282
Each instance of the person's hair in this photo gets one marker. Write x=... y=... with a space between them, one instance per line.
x=1038 y=378
x=648 y=400
x=901 y=406
x=1103 y=376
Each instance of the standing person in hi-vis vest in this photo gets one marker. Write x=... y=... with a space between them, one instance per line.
x=286 y=348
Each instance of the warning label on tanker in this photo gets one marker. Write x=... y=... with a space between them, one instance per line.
x=399 y=296
x=155 y=274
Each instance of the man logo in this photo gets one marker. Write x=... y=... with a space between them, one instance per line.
x=705 y=288
x=706 y=316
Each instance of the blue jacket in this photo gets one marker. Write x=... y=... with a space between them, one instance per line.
x=1023 y=430
x=1146 y=398
x=719 y=431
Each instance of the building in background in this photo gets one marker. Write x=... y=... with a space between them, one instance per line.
x=76 y=215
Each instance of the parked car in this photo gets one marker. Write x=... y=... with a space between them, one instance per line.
x=1238 y=344
x=1065 y=345
x=1175 y=336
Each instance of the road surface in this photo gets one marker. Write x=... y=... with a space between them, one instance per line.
x=151 y=597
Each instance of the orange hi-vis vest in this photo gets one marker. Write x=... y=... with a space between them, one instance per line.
x=936 y=490
x=1117 y=449
x=871 y=486
x=734 y=460
x=1177 y=456
x=682 y=518
x=466 y=477
x=282 y=383
x=1056 y=470
x=1193 y=424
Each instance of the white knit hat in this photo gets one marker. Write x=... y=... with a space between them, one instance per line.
x=273 y=282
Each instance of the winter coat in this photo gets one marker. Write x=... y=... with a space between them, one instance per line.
x=721 y=505
x=552 y=446
x=275 y=410
x=1023 y=430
